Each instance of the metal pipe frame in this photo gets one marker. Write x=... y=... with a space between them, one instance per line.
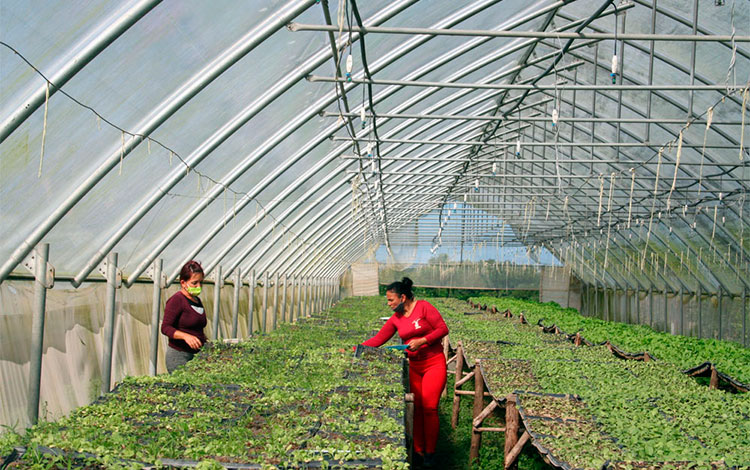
x=407 y=103
x=109 y=322
x=236 y=303
x=298 y=27
x=514 y=86
x=297 y=218
x=159 y=115
x=220 y=136
x=250 y=301
x=536 y=144
x=584 y=130
x=283 y=300
x=453 y=117
x=41 y=257
x=264 y=307
x=217 y=303
x=155 y=311
x=384 y=61
x=275 y=300
x=550 y=176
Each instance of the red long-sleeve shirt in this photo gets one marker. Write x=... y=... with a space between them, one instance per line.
x=180 y=313
x=424 y=322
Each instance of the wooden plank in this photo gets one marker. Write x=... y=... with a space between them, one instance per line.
x=476 y=437
x=512 y=456
x=484 y=414
x=466 y=378
x=511 y=430
x=470 y=392
x=456 y=397
x=490 y=429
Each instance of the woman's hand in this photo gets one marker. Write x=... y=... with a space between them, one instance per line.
x=191 y=340
x=416 y=344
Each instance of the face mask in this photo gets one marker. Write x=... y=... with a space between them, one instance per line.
x=194 y=290
x=399 y=308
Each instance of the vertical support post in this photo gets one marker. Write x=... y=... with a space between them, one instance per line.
x=638 y=302
x=308 y=297
x=251 y=303
x=155 y=309
x=264 y=306
x=300 y=282
x=511 y=427
x=283 y=298
x=109 y=321
x=721 y=301
x=446 y=347
x=319 y=294
x=476 y=436
x=628 y=305
x=37 y=330
x=744 y=316
x=292 y=298
x=217 y=302
x=607 y=300
x=714 y=381
x=682 y=312
x=275 y=299
x=666 y=307
x=651 y=306
x=236 y=302
x=700 y=312
x=458 y=376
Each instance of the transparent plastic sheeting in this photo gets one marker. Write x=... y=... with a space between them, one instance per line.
x=233 y=128
x=479 y=275
x=73 y=341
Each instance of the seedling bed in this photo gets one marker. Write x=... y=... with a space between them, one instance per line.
x=293 y=398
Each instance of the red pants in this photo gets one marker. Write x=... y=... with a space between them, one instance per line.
x=427 y=379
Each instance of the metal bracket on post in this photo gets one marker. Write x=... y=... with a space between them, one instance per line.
x=102 y=269
x=149 y=273
x=49 y=279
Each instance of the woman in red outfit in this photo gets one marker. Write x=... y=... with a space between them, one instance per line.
x=185 y=318
x=421 y=327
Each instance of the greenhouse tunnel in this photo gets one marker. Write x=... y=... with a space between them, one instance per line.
x=305 y=151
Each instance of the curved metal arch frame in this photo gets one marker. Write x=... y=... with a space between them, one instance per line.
x=382 y=62
x=740 y=219
x=386 y=93
x=161 y=113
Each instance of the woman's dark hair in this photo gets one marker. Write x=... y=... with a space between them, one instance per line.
x=190 y=268
x=402 y=288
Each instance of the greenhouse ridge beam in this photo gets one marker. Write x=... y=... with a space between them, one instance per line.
x=333 y=114
x=298 y=27
x=532 y=143
x=512 y=175
x=515 y=86
x=622 y=161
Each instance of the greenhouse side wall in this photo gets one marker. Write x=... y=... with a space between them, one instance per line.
x=710 y=315
x=557 y=285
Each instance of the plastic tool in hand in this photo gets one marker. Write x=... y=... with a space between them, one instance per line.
x=398 y=347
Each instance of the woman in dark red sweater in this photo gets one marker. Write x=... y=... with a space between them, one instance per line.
x=185 y=318
x=421 y=327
